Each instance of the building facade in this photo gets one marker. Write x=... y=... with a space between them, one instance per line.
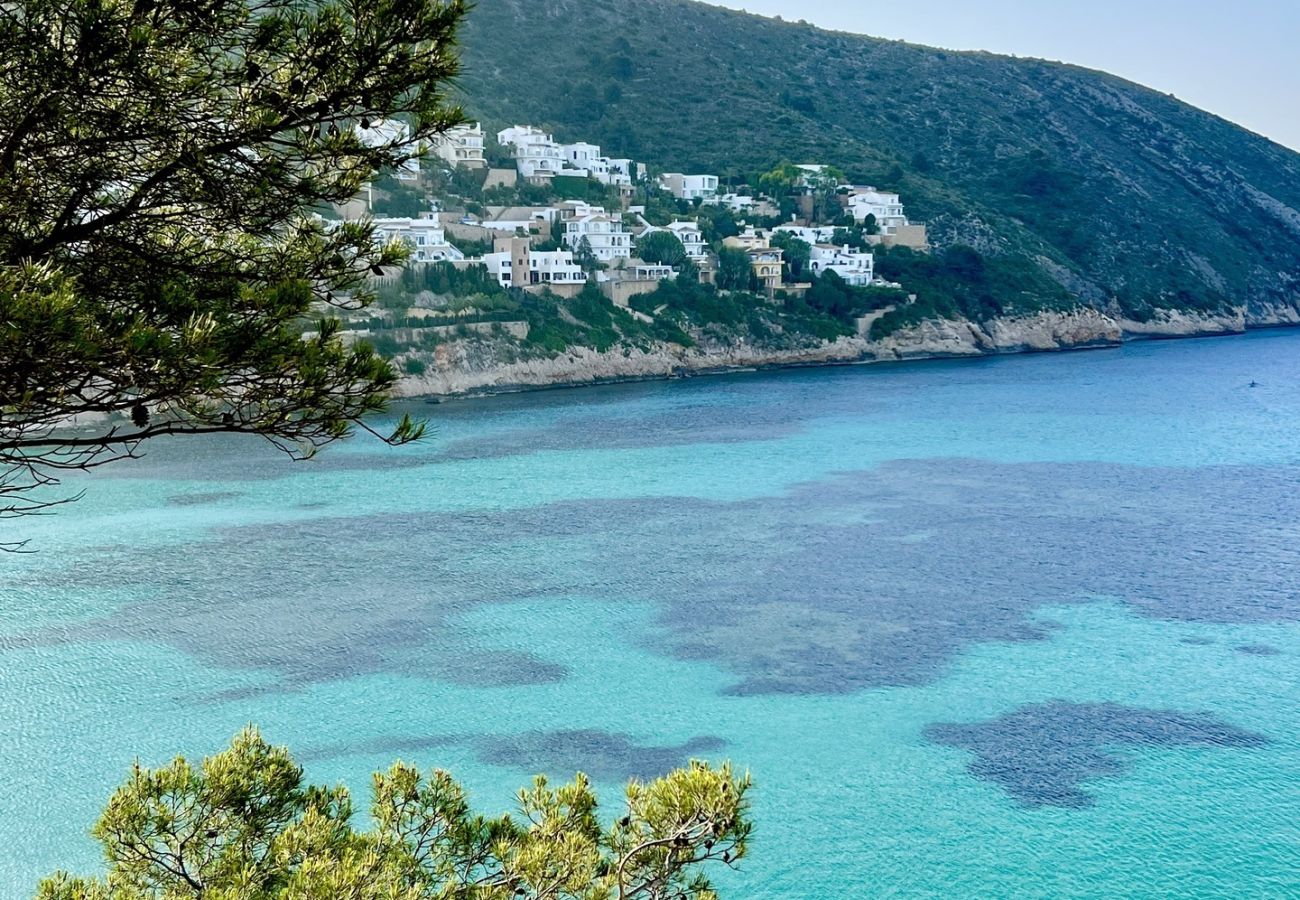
x=461 y=146
x=856 y=268
x=515 y=264
x=425 y=236
x=885 y=207
x=604 y=233
x=689 y=187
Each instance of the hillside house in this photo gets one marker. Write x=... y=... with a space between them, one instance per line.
x=633 y=279
x=768 y=262
x=537 y=157
x=605 y=234
x=692 y=238
x=689 y=187
x=515 y=264
x=856 y=268
x=891 y=220
x=749 y=239
x=461 y=146
x=824 y=234
x=424 y=235
x=512 y=219
x=886 y=207
x=586 y=160
x=687 y=232
x=737 y=203
x=390 y=132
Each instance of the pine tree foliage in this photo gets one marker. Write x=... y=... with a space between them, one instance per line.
x=159 y=160
x=243 y=825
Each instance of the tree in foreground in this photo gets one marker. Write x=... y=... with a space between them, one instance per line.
x=244 y=826
x=158 y=263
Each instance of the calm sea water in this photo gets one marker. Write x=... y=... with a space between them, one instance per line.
x=1020 y=627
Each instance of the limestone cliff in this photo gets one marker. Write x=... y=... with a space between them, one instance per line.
x=484 y=365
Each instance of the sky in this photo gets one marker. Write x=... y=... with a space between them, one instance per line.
x=1239 y=60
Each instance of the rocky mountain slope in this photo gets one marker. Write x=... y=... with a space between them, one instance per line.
x=1132 y=200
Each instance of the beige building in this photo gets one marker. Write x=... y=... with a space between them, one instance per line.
x=461 y=146
x=768 y=262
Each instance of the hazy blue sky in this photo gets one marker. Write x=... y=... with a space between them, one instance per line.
x=1240 y=60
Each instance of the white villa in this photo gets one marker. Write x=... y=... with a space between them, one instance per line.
x=691 y=237
x=462 y=146
x=574 y=209
x=733 y=202
x=644 y=271
x=823 y=234
x=605 y=234
x=391 y=131
x=539 y=158
x=886 y=207
x=425 y=236
x=856 y=268
x=892 y=222
x=689 y=187
x=515 y=264
x=687 y=232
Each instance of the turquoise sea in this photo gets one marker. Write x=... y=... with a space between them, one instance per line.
x=1021 y=627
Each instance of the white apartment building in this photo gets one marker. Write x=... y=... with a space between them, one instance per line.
x=689 y=187
x=390 y=132
x=461 y=146
x=856 y=268
x=425 y=236
x=605 y=234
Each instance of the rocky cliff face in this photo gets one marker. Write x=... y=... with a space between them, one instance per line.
x=482 y=366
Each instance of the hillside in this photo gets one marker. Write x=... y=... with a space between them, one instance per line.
x=1131 y=199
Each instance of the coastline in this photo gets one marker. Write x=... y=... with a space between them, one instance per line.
x=457 y=372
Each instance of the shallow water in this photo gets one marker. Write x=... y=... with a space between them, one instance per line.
x=1016 y=627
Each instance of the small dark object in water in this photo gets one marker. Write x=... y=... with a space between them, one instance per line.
x=1254 y=384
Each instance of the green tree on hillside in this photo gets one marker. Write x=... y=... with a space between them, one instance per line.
x=783 y=178
x=586 y=257
x=158 y=159
x=797 y=255
x=244 y=826
x=661 y=248
x=734 y=270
